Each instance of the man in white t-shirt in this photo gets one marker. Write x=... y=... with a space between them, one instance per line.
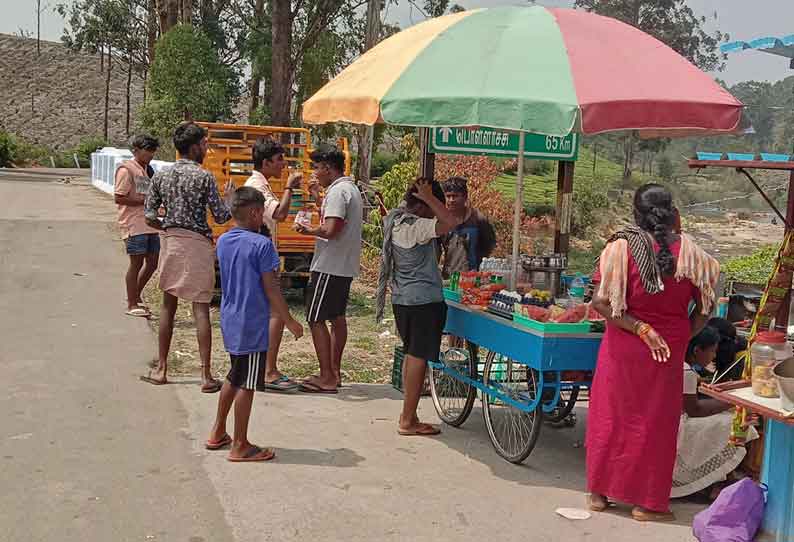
x=337 y=255
x=268 y=157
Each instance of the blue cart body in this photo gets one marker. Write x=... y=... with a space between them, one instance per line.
x=542 y=352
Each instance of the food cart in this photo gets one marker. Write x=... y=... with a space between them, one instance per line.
x=543 y=77
x=778 y=463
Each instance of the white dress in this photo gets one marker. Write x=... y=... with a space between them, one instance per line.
x=704 y=455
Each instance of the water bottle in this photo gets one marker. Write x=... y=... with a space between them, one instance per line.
x=576 y=291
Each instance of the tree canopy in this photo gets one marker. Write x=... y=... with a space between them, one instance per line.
x=187 y=81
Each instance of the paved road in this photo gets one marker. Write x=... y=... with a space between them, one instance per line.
x=87 y=453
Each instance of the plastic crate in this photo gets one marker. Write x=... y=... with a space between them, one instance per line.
x=452 y=295
x=397 y=368
x=551 y=327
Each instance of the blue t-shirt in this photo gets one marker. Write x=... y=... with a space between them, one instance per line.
x=243 y=256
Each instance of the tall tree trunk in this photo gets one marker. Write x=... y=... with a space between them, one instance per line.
x=162 y=15
x=256 y=72
x=151 y=30
x=38 y=27
x=628 y=157
x=172 y=14
x=365 y=140
x=129 y=86
x=187 y=12
x=256 y=84
x=282 y=70
x=107 y=96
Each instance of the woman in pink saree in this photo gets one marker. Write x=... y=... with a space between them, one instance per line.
x=647 y=276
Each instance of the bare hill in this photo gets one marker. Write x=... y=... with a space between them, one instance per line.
x=58 y=98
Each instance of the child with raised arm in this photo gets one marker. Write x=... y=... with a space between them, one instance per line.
x=248 y=263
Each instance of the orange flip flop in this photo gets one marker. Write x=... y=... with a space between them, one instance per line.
x=255 y=453
x=218 y=444
x=420 y=430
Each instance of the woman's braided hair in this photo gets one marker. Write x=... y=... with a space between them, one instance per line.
x=654 y=213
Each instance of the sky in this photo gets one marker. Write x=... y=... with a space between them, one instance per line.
x=735 y=17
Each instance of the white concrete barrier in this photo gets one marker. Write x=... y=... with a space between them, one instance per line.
x=106 y=161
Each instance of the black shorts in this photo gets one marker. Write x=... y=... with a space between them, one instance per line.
x=326 y=297
x=248 y=371
x=420 y=328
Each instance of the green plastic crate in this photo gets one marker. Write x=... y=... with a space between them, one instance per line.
x=397 y=368
x=452 y=295
x=551 y=327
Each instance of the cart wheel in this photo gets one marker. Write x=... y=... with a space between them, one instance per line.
x=452 y=398
x=513 y=432
x=565 y=405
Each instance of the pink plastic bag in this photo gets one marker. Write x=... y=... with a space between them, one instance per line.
x=734 y=517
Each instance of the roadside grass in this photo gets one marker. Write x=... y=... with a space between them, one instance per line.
x=367 y=358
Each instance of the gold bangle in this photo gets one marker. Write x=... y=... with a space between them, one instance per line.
x=644 y=329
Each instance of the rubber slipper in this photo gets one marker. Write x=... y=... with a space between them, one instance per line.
x=597 y=505
x=420 y=430
x=218 y=444
x=282 y=383
x=313 y=388
x=153 y=381
x=139 y=312
x=643 y=516
x=213 y=386
x=255 y=453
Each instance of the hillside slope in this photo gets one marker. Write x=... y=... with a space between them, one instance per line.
x=58 y=98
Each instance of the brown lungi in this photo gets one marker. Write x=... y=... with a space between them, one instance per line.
x=187 y=265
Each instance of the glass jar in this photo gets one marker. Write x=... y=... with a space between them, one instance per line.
x=768 y=350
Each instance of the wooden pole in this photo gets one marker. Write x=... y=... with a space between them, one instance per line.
x=518 y=206
x=427 y=160
x=782 y=318
x=562 y=226
x=367 y=135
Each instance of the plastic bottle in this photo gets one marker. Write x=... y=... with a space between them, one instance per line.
x=768 y=350
x=576 y=291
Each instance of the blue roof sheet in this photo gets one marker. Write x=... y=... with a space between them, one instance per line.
x=781 y=46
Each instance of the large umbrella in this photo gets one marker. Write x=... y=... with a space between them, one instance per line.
x=535 y=69
x=527 y=69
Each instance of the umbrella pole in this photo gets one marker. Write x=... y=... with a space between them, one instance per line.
x=519 y=205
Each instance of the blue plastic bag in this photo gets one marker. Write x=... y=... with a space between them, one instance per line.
x=735 y=516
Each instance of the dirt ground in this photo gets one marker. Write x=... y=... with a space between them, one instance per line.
x=368 y=355
x=728 y=237
x=370 y=347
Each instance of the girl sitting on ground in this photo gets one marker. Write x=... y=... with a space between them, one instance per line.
x=704 y=457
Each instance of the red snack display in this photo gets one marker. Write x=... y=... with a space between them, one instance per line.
x=573 y=315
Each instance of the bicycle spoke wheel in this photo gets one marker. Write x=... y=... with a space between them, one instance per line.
x=513 y=431
x=452 y=398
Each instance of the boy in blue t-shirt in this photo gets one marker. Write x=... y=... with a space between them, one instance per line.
x=248 y=262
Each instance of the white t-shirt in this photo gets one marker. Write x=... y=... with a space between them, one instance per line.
x=260 y=182
x=341 y=256
x=422 y=231
x=690 y=381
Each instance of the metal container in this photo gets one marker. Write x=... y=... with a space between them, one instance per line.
x=784 y=371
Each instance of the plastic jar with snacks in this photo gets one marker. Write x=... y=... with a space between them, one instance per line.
x=769 y=349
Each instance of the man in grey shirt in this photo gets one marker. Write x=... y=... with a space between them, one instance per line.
x=337 y=255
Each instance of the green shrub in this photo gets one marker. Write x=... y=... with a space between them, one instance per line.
x=755 y=268
x=589 y=199
x=8 y=149
x=539 y=167
x=84 y=149
x=382 y=162
x=187 y=80
x=540 y=209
